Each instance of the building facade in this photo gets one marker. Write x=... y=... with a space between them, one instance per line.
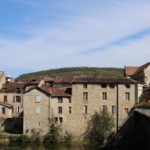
x=74 y=106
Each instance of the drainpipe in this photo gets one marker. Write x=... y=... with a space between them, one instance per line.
x=49 y=110
x=117 y=113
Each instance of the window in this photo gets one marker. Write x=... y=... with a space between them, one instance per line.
x=69 y=100
x=127 y=96
x=111 y=86
x=126 y=110
x=18 y=98
x=85 y=109
x=60 y=100
x=104 y=95
x=103 y=85
x=17 y=110
x=3 y=110
x=113 y=110
x=56 y=119
x=37 y=110
x=127 y=86
x=104 y=109
x=85 y=95
x=37 y=99
x=70 y=110
x=60 y=119
x=5 y=98
x=60 y=110
x=85 y=85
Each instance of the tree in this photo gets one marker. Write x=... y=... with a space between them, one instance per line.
x=100 y=127
x=53 y=136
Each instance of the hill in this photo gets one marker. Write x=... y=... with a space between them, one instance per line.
x=75 y=71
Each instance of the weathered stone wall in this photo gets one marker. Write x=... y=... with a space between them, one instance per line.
x=147 y=75
x=36 y=114
x=17 y=106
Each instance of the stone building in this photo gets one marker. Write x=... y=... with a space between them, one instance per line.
x=141 y=73
x=11 y=106
x=2 y=78
x=73 y=106
x=44 y=104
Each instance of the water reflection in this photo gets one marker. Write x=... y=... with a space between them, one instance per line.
x=48 y=147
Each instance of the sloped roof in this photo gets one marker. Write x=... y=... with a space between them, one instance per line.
x=141 y=68
x=55 y=92
x=12 y=87
x=102 y=80
x=130 y=70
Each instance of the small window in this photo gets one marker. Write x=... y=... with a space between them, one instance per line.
x=60 y=100
x=3 y=110
x=127 y=86
x=85 y=109
x=103 y=85
x=18 y=98
x=60 y=119
x=104 y=96
x=126 y=110
x=85 y=85
x=69 y=100
x=85 y=95
x=37 y=99
x=113 y=110
x=37 y=110
x=70 y=110
x=127 y=96
x=104 y=109
x=5 y=98
x=60 y=110
x=56 y=119
x=112 y=86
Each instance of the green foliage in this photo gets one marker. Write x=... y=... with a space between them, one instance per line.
x=100 y=127
x=19 y=139
x=67 y=138
x=54 y=134
x=35 y=137
x=75 y=71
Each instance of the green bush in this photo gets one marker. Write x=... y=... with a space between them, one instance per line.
x=54 y=134
x=19 y=139
x=67 y=138
x=100 y=127
x=35 y=137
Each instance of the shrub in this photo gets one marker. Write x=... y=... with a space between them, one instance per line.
x=100 y=127
x=35 y=137
x=67 y=138
x=54 y=134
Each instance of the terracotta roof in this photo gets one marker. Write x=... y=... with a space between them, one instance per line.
x=12 y=87
x=6 y=104
x=102 y=80
x=130 y=70
x=141 y=68
x=55 y=91
x=64 y=79
x=145 y=95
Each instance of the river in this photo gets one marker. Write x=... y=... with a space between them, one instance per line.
x=48 y=147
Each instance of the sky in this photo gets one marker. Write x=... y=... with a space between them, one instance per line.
x=44 y=34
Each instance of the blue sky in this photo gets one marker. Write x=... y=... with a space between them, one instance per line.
x=43 y=34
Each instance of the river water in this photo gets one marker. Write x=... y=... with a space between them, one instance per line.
x=48 y=147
